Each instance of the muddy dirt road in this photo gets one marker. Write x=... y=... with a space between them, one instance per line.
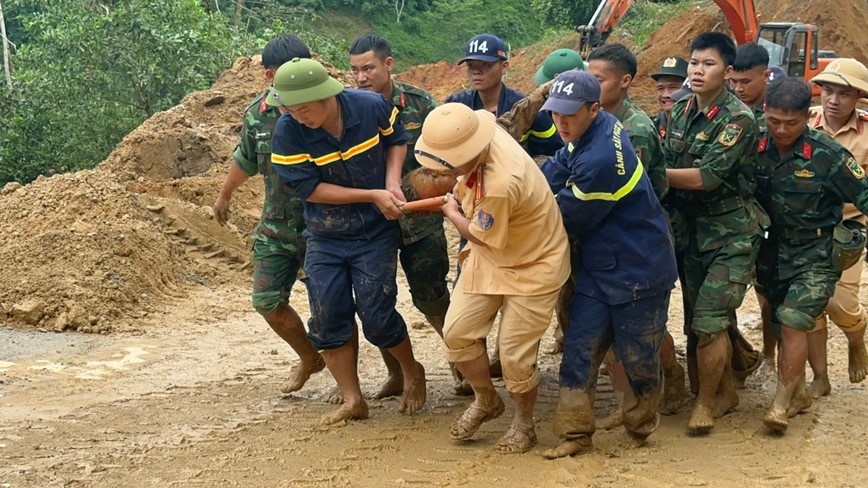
x=194 y=401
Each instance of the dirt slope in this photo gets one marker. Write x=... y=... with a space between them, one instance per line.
x=89 y=250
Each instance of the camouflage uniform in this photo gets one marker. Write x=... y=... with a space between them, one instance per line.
x=760 y=115
x=423 y=244
x=278 y=248
x=723 y=223
x=661 y=122
x=804 y=192
x=646 y=143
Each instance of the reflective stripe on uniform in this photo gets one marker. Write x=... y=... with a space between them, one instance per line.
x=391 y=128
x=611 y=197
x=542 y=135
x=327 y=158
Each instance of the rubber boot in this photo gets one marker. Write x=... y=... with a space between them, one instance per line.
x=777 y=417
x=574 y=423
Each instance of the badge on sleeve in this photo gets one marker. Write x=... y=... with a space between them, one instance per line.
x=485 y=220
x=730 y=135
x=854 y=168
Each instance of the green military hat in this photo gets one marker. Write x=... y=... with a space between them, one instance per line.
x=302 y=81
x=671 y=66
x=559 y=61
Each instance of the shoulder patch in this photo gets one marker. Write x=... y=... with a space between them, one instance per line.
x=485 y=220
x=854 y=168
x=730 y=135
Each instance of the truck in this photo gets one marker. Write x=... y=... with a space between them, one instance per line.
x=794 y=46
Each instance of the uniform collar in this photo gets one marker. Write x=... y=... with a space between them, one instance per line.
x=854 y=123
x=398 y=98
x=349 y=112
x=501 y=101
x=713 y=108
x=621 y=110
x=802 y=148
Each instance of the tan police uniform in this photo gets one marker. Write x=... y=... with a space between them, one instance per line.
x=844 y=307
x=518 y=271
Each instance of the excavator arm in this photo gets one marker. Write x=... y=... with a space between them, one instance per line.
x=740 y=14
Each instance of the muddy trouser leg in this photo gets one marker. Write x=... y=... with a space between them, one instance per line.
x=586 y=340
x=562 y=309
x=687 y=301
x=639 y=328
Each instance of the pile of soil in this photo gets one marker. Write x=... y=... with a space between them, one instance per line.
x=90 y=250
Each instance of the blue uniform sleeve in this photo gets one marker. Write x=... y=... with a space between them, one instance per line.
x=292 y=159
x=392 y=130
x=543 y=137
x=557 y=169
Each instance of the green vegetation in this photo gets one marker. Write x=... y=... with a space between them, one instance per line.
x=86 y=72
x=646 y=17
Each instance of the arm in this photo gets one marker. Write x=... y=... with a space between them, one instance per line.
x=557 y=170
x=723 y=154
x=521 y=117
x=542 y=138
x=395 y=156
x=685 y=178
x=462 y=224
x=234 y=179
x=331 y=194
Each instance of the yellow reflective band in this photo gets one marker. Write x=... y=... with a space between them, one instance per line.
x=293 y=159
x=391 y=128
x=327 y=158
x=541 y=135
x=611 y=197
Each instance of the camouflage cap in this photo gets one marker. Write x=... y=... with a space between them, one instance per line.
x=302 y=81
x=844 y=72
x=671 y=66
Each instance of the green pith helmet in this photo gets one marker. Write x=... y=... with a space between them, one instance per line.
x=847 y=243
x=557 y=62
x=302 y=81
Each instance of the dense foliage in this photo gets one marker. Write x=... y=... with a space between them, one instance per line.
x=86 y=72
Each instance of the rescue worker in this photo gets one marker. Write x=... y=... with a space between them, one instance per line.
x=500 y=195
x=668 y=80
x=614 y=66
x=487 y=60
x=342 y=151
x=559 y=61
x=278 y=245
x=804 y=177
x=710 y=152
x=843 y=82
x=750 y=76
x=423 y=252
x=626 y=268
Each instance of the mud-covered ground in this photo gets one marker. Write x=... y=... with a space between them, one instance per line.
x=194 y=401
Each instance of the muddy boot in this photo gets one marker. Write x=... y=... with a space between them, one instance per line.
x=574 y=423
x=777 y=417
x=802 y=399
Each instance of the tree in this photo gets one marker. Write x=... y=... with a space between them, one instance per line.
x=7 y=68
x=94 y=71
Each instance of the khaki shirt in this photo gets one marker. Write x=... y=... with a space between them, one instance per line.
x=512 y=210
x=853 y=136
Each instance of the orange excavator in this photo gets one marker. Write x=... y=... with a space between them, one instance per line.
x=793 y=46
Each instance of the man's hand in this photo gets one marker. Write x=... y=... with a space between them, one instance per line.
x=451 y=207
x=395 y=189
x=387 y=203
x=221 y=209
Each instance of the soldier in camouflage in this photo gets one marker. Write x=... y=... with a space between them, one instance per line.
x=614 y=66
x=423 y=252
x=750 y=76
x=803 y=178
x=278 y=246
x=668 y=80
x=710 y=154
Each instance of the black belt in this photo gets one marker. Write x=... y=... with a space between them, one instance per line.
x=726 y=205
